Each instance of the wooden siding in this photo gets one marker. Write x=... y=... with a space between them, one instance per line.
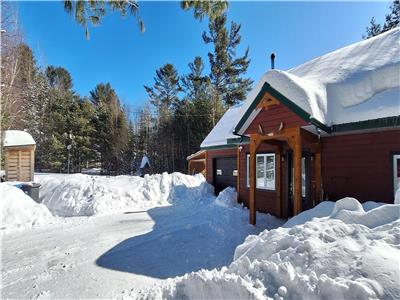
x=266 y=201
x=19 y=163
x=271 y=119
x=360 y=165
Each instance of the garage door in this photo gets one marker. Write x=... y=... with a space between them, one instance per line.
x=224 y=176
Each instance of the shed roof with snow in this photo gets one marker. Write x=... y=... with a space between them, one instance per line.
x=357 y=83
x=13 y=138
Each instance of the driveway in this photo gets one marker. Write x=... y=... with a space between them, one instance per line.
x=100 y=257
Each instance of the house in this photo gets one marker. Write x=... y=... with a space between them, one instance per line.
x=327 y=129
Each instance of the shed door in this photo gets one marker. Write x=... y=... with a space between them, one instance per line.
x=224 y=173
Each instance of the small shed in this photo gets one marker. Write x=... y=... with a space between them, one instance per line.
x=19 y=153
x=197 y=163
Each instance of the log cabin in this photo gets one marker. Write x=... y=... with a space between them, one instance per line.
x=325 y=130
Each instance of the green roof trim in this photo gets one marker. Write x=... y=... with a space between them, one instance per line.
x=368 y=124
x=219 y=147
x=244 y=140
x=267 y=88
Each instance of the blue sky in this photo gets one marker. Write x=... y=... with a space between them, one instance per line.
x=118 y=53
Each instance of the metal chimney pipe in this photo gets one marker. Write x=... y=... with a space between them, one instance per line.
x=272 y=60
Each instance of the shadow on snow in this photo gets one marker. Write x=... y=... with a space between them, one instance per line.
x=185 y=238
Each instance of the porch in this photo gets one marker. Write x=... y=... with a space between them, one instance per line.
x=291 y=146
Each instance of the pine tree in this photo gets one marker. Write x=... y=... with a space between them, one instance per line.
x=373 y=29
x=164 y=97
x=391 y=21
x=196 y=111
x=227 y=70
x=111 y=127
x=393 y=18
x=201 y=9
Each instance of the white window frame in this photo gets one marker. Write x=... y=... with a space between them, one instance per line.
x=396 y=185
x=265 y=155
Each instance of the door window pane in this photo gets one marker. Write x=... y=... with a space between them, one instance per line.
x=261 y=171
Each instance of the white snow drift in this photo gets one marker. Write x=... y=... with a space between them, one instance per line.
x=19 y=211
x=351 y=254
x=85 y=195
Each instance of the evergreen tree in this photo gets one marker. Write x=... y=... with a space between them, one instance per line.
x=393 y=18
x=391 y=21
x=227 y=70
x=111 y=127
x=196 y=110
x=88 y=13
x=201 y=9
x=164 y=97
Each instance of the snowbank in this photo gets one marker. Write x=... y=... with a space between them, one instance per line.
x=351 y=254
x=19 y=211
x=85 y=195
x=397 y=197
x=227 y=198
x=325 y=209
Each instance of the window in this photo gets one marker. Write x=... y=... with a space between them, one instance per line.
x=265 y=171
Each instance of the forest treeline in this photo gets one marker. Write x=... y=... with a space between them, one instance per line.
x=102 y=131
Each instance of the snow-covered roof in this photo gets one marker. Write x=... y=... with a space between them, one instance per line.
x=356 y=83
x=17 y=138
x=197 y=154
x=223 y=130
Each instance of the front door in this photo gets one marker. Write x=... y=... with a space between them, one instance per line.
x=305 y=182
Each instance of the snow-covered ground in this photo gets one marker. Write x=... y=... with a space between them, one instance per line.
x=167 y=237
x=350 y=254
x=103 y=251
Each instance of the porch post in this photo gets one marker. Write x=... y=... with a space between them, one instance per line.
x=318 y=175
x=252 y=179
x=297 y=174
x=238 y=172
x=278 y=178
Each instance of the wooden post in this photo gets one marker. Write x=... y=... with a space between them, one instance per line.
x=32 y=153
x=238 y=172
x=318 y=174
x=252 y=180
x=19 y=174
x=297 y=174
x=278 y=181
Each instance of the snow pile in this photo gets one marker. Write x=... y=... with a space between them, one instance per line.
x=227 y=198
x=19 y=211
x=85 y=195
x=325 y=209
x=351 y=254
x=397 y=197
